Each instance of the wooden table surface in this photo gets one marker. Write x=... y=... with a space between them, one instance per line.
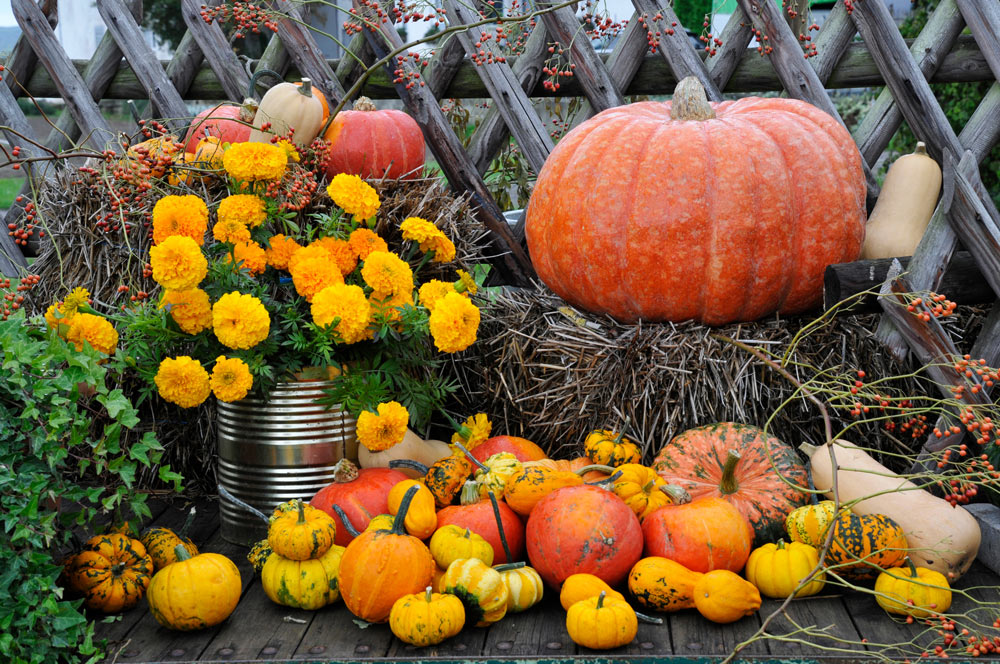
x=260 y=630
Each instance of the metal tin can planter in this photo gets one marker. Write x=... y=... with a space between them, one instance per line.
x=277 y=449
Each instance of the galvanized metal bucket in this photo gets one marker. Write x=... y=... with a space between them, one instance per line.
x=277 y=449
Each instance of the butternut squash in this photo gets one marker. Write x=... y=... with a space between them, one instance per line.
x=905 y=206
x=285 y=106
x=940 y=537
x=412 y=447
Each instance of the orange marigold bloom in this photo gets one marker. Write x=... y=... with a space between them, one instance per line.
x=454 y=323
x=180 y=215
x=383 y=430
x=312 y=275
x=190 y=309
x=432 y=291
x=240 y=321
x=231 y=379
x=232 y=231
x=341 y=252
x=183 y=381
x=94 y=330
x=311 y=250
x=280 y=250
x=246 y=209
x=388 y=306
x=255 y=161
x=354 y=195
x=249 y=256
x=387 y=273
x=348 y=304
x=363 y=241
x=178 y=263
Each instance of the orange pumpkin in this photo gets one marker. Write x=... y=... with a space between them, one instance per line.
x=372 y=144
x=478 y=515
x=522 y=448
x=111 y=572
x=227 y=122
x=780 y=180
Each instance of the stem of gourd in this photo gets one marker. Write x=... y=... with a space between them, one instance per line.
x=348 y=526
x=306 y=88
x=677 y=495
x=302 y=511
x=509 y=566
x=236 y=501
x=187 y=523
x=503 y=536
x=595 y=466
x=398 y=525
x=652 y=620
x=729 y=485
x=690 y=101
x=621 y=434
x=600 y=599
x=471 y=458
x=427 y=594
x=409 y=463
x=470 y=493
x=181 y=552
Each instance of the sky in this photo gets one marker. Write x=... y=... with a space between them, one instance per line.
x=6 y=14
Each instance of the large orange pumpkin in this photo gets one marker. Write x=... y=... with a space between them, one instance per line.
x=372 y=144
x=755 y=472
x=361 y=494
x=685 y=210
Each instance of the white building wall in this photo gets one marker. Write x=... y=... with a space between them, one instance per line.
x=80 y=29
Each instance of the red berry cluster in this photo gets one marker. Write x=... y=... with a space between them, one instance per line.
x=763 y=48
x=24 y=228
x=556 y=67
x=961 y=640
x=486 y=54
x=12 y=300
x=247 y=16
x=936 y=305
x=406 y=71
x=808 y=44
x=710 y=41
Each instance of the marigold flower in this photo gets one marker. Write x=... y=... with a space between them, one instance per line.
x=280 y=250
x=250 y=162
x=354 y=195
x=387 y=428
x=341 y=252
x=249 y=256
x=178 y=263
x=311 y=250
x=183 y=381
x=454 y=323
x=98 y=332
x=77 y=298
x=231 y=231
x=246 y=209
x=240 y=321
x=290 y=150
x=313 y=275
x=348 y=304
x=56 y=315
x=363 y=241
x=429 y=237
x=180 y=215
x=387 y=273
x=432 y=291
x=231 y=379
x=474 y=431
x=466 y=284
x=189 y=308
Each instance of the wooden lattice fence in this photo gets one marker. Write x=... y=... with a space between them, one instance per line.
x=205 y=66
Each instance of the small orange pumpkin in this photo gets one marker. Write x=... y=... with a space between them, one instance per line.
x=111 y=572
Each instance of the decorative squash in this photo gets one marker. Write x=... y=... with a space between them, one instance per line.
x=632 y=257
x=374 y=144
x=524 y=586
x=421 y=518
x=494 y=472
x=639 y=486
x=427 y=618
x=195 y=592
x=322 y=100
x=808 y=524
x=569 y=465
x=757 y=473
x=480 y=587
x=529 y=485
x=601 y=623
x=380 y=566
x=228 y=122
x=609 y=448
x=941 y=537
x=865 y=544
x=702 y=535
x=913 y=591
x=361 y=494
x=444 y=478
x=451 y=543
x=724 y=597
x=477 y=515
x=303 y=584
x=288 y=106
x=522 y=448
x=582 y=586
x=306 y=533
x=904 y=206
x=161 y=542
x=662 y=584
x=583 y=529
x=778 y=569
x=111 y=573
x=412 y=447
x=258 y=555
x=161 y=151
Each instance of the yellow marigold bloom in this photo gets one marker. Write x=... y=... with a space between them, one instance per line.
x=290 y=151
x=231 y=379
x=443 y=248
x=432 y=291
x=246 y=209
x=231 y=231
x=474 y=431
x=387 y=273
x=454 y=323
x=348 y=303
x=98 y=332
x=180 y=215
x=311 y=250
x=341 y=252
x=466 y=283
x=240 y=321
x=77 y=297
x=387 y=428
x=354 y=195
x=313 y=275
x=56 y=314
x=249 y=256
x=178 y=263
x=363 y=241
x=280 y=250
x=183 y=381
x=250 y=162
x=190 y=309
x=418 y=229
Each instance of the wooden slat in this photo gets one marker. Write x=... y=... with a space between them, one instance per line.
x=974 y=222
x=467 y=644
x=832 y=41
x=72 y=88
x=22 y=59
x=304 y=51
x=541 y=632
x=216 y=49
x=819 y=613
x=336 y=637
x=444 y=65
x=275 y=57
x=735 y=38
x=350 y=68
x=18 y=132
x=505 y=90
x=691 y=639
x=983 y=19
x=143 y=61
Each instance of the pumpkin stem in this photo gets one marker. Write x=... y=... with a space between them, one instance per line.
x=398 y=526
x=252 y=90
x=600 y=599
x=470 y=493
x=652 y=620
x=306 y=88
x=181 y=552
x=595 y=466
x=921 y=148
x=348 y=526
x=729 y=485
x=471 y=458
x=409 y=463
x=509 y=566
x=621 y=434
x=677 y=495
x=236 y=501
x=427 y=594
x=468 y=533
x=302 y=511
x=807 y=449
x=690 y=101
x=648 y=486
x=780 y=544
x=345 y=471
x=913 y=568
x=503 y=536
x=364 y=104
x=187 y=523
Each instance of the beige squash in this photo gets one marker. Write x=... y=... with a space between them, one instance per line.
x=412 y=447
x=904 y=207
x=289 y=105
x=941 y=537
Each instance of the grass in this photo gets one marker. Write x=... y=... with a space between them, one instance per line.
x=8 y=191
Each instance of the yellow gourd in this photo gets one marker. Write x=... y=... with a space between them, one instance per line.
x=285 y=106
x=904 y=207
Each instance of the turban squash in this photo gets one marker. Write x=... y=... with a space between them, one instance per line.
x=689 y=210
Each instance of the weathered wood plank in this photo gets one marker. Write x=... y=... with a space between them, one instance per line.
x=988 y=517
x=504 y=88
x=304 y=51
x=468 y=643
x=884 y=635
x=693 y=638
x=983 y=19
x=540 y=632
x=824 y=615
x=735 y=38
x=333 y=635
x=350 y=68
x=275 y=57
x=444 y=65
x=22 y=59
x=18 y=132
x=72 y=88
x=832 y=41
x=974 y=222
x=184 y=66
x=143 y=62
x=216 y=50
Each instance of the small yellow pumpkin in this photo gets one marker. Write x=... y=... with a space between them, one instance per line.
x=777 y=569
x=195 y=592
x=494 y=473
x=481 y=589
x=724 y=597
x=525 y=587
x=161 y=542
x=451 y=542
x=601 y=622
x=913 y=591
x=427 y=618
x=582 y=586
x=303 y=584
x=610 y=448
x=662 y=584
x=809 y=524
x=421 y=517
x=306 y=532
x=639 y=486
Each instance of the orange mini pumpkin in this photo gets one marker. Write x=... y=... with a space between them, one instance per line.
x=112 y=572
x=373 y=144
